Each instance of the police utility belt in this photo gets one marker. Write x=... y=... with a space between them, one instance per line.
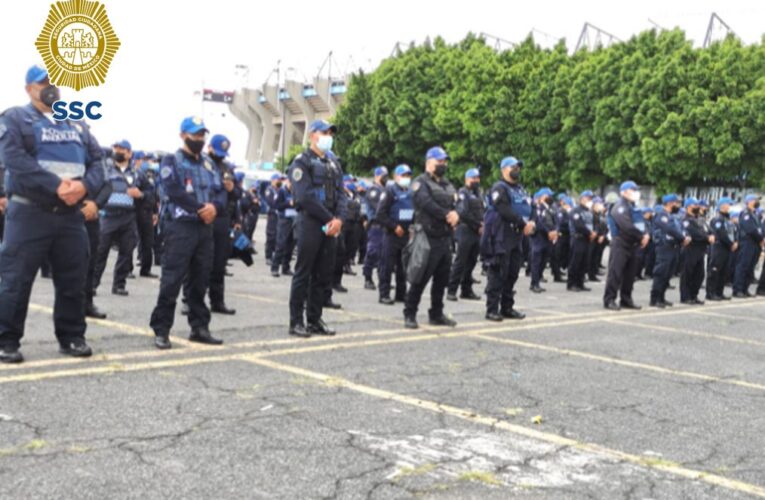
x=55 y=209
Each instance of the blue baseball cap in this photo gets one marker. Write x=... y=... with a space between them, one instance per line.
x=36 y=74
x=347 y=178
x=627 y=185
x=276 y=176
x=403 y=169
x=351 y=186
x=690 y=201
x=220 y=144
x=436 y=153
x=364 y=184
x=658 y=208
x=321 y=126
x=192 y=125
x=586 y=194
x=735 y=213
x=510 y=161
x=597 y=199
x=703 y=203
x=124 y=144
x=669 y=198
x=239 y=176
x=472 y=173
x=568 y=201
x=561 y=196
x=139 y=155
x=725 y=200
x=647 y=210
x=751 y=197
x=381 y=171
x=546 y=191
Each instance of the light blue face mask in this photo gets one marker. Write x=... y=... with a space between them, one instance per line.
x=325 y=143
x=404 y=182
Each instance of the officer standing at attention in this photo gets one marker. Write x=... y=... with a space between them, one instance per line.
x=627 y=233
x=751 y=239
x=91 y=207
x=51 y=166
x=598 y=245
x=395 y=213
x=118 y=224
x=285 y=231
x=509 y=215
x=668 y=236
x=692 y=274
x=544 y=237
x=434 y=212
x=147 y=210
x=470 y=208
x=195 y=195
x=374 y=231
x=582 y=229
x=272 y=220
x=724 y=246
x=563 y=245
x=317 y=185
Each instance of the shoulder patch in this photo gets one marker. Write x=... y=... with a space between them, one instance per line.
x=415 y=186
x=686 y=223
x=373 y=194
x=462 y=196
x=382 y=197
x=495 y=195
x=620 y=210
x=297 y=174
x=746 y=217
x=576 y=216
x=166 y=172
x=718 y=225
x=664 y=219
x=298 y=157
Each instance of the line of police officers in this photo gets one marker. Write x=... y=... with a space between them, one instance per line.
x=67 y=203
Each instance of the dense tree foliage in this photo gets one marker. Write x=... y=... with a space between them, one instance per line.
x=654 y=109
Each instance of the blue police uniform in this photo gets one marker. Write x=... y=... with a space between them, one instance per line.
x=38 y=153
x=692 y=273
x=581 y=227
x=189 y=182
x=118 y=224
x=224 y=221
x=272 y=217
x=348 y=241
x=541 y=246
x=147 y=207
x=668 y=237
x=285 y=232
x=562 y=246
x=508 y=213
x=317 y=186
x=374 y=231
x=395 y=208
x=750 y=238
x=627 y=229
x=470 y=207
x=722 y=250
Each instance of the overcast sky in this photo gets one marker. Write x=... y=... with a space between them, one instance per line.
x=170 y=49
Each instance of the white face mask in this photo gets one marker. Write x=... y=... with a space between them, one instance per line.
x=404 y=182
x=325 y=143
x=634 y=196
x=588 y=205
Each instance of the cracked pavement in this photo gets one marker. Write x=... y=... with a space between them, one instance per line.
x=380 y=412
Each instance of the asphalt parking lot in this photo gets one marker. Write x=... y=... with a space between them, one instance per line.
x=572 y=402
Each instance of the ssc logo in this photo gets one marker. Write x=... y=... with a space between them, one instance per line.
x=77 y=44
x=76 y=110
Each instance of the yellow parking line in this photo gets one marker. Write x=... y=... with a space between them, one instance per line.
x=730 y=316
x=623 y=362
x=692 y=333
x=494 y=423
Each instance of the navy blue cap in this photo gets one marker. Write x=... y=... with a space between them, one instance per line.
x=472 y=173
x=321 y=126
x=36 y=74
x=239 y=176
x=381 y=171
x=436 y=153
x=597 y=199
x=561 y=196
x=510 y=161
x=403 y=169
x=669 y=198
x=139 y=155
x=192 y=125
x=220 y=144
x=751 y=197
x=703 y=203
x=690 y=201
x=725 y=200
x=546 y=191
x=276 y=176
x=587 y=193
x=626 y=185
x=348 y=178
x=568 y=201
x=124 y=144
x=647 y=210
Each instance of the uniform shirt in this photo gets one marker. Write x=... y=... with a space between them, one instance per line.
x=231 y=207
x=581 y=222
x=544 y=218
x=317 y=185
x=749 y=227
x=724 y=231
x=693 y=226
x=396 y=208
x=270 y=195
x=470 y=208
x=433 y=199
x=562 y=218
x=666 y=229
x=373 y=200
x=621 y=214
x=121 y=181
x=185 y=198
x=504 y=196
x=26 y=135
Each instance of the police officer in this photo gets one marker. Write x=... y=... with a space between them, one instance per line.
x=627 y=235
x=470 y=207
x=285 y=231
x=562 y=246
x=582 y=229
x=544 y=236
x=348 y=240
x=507 y=221
x=395 y=213
x=725 y=244
x=272 y=219
x=692 y=274
x=147 y=212
x=118 y=224
x=317 y=185
x=750 y=242
x=598 y=245
x=434 y=213
x=668 y=237
x=51 y=166
x=645 y=255
x=91 y=207
x=374 y=230
x=195 y=196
